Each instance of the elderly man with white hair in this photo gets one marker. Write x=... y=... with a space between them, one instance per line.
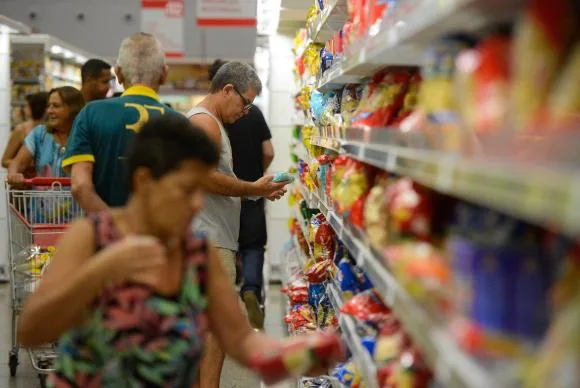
x=103 y=129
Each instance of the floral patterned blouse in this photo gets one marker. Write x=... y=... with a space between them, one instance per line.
x=135 y=337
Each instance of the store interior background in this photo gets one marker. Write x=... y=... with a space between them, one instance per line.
x=106 y=22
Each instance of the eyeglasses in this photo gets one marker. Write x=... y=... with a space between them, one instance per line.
x=247 y=103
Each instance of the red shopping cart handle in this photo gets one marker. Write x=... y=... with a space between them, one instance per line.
x=48 y=181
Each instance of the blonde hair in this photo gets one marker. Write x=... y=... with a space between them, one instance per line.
x=141 y=60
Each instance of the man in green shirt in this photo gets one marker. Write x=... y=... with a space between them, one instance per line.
x=103 y=129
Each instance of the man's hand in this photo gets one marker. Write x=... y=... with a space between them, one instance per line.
x=264 y=187
x=276 y=195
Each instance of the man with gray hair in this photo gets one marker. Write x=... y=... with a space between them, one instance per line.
x=232 y=92
x=103 y=129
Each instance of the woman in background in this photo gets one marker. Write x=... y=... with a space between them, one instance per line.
x=34 y=111
x=45 y=145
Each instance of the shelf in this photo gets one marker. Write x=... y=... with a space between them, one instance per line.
x=330 y=20
x=409 y=29
x=540 y=195
x=452 y=366
x=64 y=78
x=360 y=355
x=325 y=142
x=26 y=81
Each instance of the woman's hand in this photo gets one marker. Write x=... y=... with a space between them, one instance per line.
x=130 y=256
x=16 y=179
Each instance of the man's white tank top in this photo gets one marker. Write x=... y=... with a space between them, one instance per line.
x=220 y=217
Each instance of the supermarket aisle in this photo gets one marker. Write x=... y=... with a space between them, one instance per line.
x=233 y=376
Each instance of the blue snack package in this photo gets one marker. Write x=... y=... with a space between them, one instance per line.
x=364 y=283
x=531 y=294
x=369 y=342
x=326 y=60
x=283 y=177
x=316 y=292
x=347 y=278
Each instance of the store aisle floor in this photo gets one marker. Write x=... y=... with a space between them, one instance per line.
x=233 y=376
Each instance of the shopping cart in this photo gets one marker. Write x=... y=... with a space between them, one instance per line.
x=37 y=217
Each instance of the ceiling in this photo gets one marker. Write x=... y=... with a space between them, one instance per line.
x=293 y=15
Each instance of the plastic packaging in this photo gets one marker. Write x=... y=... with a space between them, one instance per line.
x=298 y=356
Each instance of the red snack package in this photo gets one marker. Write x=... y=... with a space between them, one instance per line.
x=318 y=272
x=298 y=356
x=492 y=81
x=322 y=238
x=410 y=211
x=357 y=211
x=384 y=101
x=364 y=305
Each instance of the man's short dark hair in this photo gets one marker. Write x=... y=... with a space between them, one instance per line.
x=93 y=68
x=165 y=142
x=37 y=103
x=215 y=66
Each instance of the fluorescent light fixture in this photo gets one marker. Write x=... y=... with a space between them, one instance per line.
x=268 y=16
x=80 y=59
x=56 y=50
x=68 y=54
x=4 y=29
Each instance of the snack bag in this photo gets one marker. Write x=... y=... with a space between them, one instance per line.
x=354 y=184
x=422 y=270
x=318 y=272
x=322 y=238
x=410 y=211
x=541 y=39
x=348 y=375
x=367 y=306
x=438 y=113
x=298 y=356
x=385 y=100
x=375 y=212
x=492 y=83
x=411 y=370
x=564 y=100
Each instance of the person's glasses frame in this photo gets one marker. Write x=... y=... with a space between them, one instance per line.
x=247 y=103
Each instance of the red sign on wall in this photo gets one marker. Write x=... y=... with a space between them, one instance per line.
x=164 y=19
x=226 y=13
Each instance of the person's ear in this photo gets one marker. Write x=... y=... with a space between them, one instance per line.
x=229 y=88
x=142 y=179
x=119 y=75
x=164 y=75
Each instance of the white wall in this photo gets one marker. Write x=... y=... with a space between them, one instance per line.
x=104 y=27
x=4 y=132
x=281 y=89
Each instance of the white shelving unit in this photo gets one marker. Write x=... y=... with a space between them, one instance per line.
x=407 y=31
x=537 y=194
x=42 y=62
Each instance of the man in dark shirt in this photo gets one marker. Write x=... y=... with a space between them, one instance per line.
x=253 y=153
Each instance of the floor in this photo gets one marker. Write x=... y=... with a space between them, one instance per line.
x=233 y=376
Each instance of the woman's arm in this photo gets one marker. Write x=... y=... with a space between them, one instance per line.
x=14 y=144
x=21 y=161
x=76 y=275
x=228 y=323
